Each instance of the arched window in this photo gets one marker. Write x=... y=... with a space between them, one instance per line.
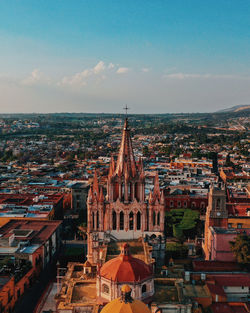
x=105 y=288
x=121 y=220
x=114 y=220
x=93 y=220
x=144 y=288
x=123 y=191
x=138 y=218
x=97 y=220
x=136 y=192
x=147 y=218
x=131 y=221
x=158 y=218
x=154 y=218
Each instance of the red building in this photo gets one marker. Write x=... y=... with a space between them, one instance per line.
x=30 y=246
x=180 y=199
x=32 y=200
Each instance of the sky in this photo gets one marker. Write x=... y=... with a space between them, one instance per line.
x=157 y=56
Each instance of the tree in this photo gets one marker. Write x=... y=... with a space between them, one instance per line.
x=228 y=161
x=241 y=249
x=145 y=151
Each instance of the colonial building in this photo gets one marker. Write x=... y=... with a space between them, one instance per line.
x=125 y=269
x=220 y=228
x=124 y=213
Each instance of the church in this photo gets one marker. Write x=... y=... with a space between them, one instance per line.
x=124 y=214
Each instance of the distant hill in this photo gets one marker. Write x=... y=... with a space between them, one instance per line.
x=236 y=108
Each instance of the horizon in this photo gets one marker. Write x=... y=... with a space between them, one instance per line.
x=226 y=110
x=94 y=56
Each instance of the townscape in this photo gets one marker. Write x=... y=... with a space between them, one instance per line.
x=125 y=156
x=151 y=209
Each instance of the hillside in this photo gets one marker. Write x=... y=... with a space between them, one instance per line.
x=236 y=108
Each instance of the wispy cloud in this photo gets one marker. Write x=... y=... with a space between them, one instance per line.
x=181 y=76
x=123 y=70
x=145 y=69
x=81 y=78
x=35 y=77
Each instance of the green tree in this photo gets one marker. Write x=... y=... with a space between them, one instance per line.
x=145 y=151
x=241 y=249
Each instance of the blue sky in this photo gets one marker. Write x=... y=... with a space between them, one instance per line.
x=94 y=56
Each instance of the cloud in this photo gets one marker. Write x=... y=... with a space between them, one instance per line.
x=36 y=77
x=100 y=67
x=145 y=69
x=122 y=70
x=111 y=65
x=82 y=78
x=181 y=76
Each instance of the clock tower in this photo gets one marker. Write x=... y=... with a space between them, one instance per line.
x=216 y=215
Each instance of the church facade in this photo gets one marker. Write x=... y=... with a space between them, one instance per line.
x=124 y=213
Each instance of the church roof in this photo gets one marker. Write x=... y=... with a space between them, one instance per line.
x=116 y=306
x=125 y=268
x=126 y=154
x=125 y=304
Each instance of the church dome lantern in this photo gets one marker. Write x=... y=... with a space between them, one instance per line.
x=125 y=304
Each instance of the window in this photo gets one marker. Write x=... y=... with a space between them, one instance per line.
x=218 y=204
x=179 y=204
x=230 y=225
x=154 y=217
x=97 y=220
x=105 y=288
x=93 y=220
x=138 y=218
x=158 y=218
x=121 y=220
x=131 y=221
x=144 y=288
x=114 y=220
x=185 y=204
x=239 y=225
x=171 y=204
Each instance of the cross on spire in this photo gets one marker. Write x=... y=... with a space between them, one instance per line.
x=126 y=108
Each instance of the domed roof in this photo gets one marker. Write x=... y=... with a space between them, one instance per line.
x=116 y=306
x=125 y=268
x=125 y=288
x=125 y=304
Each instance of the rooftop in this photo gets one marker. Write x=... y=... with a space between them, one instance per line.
x=36 y=231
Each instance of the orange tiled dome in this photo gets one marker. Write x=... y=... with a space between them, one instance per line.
x=125 y=268
x=125 y=304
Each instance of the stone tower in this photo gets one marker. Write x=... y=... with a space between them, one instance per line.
x=124 y=213
x=216 y=215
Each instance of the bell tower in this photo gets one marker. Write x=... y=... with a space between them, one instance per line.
x=124 y=213
x=216 y=215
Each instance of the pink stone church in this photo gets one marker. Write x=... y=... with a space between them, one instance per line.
x=124 y=213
